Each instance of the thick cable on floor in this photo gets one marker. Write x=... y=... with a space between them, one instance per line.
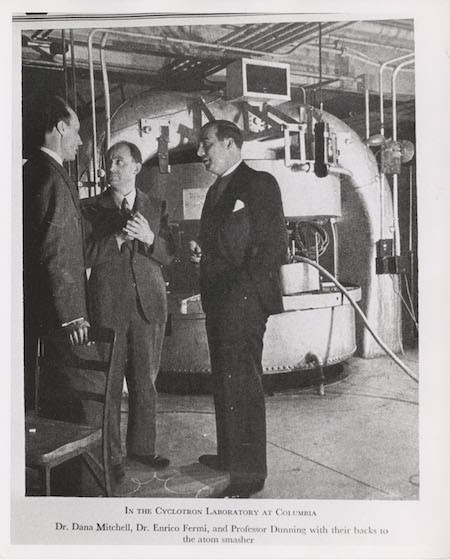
x=341 y=288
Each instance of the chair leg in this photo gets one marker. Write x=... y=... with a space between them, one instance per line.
x=96 y=470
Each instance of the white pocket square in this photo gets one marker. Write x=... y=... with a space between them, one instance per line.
x=238 y=205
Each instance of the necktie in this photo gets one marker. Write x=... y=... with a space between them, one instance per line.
x=125 y=209
x=127 y=214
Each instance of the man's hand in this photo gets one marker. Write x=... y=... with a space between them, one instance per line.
x=78 y=332
x=138 y=228
x=122 y=237
x=195 y=252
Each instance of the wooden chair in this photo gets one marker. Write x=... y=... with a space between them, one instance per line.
x=48 y=442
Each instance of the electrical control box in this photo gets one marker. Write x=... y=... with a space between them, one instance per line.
x=385 y=248
x=258 y=80
x=386 y=262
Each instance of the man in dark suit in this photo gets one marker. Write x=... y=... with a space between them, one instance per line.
x=242 y=245
x=54 y=272
x=127 y=243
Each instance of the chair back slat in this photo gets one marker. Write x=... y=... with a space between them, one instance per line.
x=75 y=362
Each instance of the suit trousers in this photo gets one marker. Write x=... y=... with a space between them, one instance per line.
x=138 y=353
x=235 y=325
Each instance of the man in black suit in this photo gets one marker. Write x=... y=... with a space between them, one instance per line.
x=54 y=272
x=127 y=242
x=243 y=243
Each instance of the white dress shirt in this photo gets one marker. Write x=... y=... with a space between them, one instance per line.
x=118 y=198
x=231 y=169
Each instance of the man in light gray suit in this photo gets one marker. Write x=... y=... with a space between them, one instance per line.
x=127 y=241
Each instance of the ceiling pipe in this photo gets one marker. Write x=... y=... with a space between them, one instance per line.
x=253 y=31
x=343 y=51
x=106 y=90
x=381 y=175
x=41 y=43
x=320 y=67
x=64 y=62
x=66 y=82
x=303 y=90
x=288 y=33
x=258 y=35
x=95 y=178
x=74 y=70
x=333 y=26
x=380 y=81
x=74 y=90
x=213 y=46
x=384 y=30
x=397 y=247
x=238 y=33
x=279 y=31
x=298 y=34
x=364 y=43
x=394 y=95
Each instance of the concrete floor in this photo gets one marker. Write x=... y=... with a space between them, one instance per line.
x=358 y=442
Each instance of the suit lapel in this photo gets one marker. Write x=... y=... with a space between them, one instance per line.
x=224 y=206
x=237 y=180
x=140 y=203
x=150 y=208
x=69 y=182
x=231 y=193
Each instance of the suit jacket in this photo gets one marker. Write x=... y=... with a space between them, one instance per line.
x=117 y=276
x=244 y=248
x=54 y=271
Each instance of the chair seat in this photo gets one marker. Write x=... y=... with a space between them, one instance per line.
x=50 y=441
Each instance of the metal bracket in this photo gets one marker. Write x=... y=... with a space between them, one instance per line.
x=288 y=126
x=300 y=129
x=145 y=126
x=163 y=150
x=264 y=115
x=198 y=106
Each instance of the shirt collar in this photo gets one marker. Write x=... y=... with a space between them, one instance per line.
x=231 y=169
x=52 y=154
x=118 y=198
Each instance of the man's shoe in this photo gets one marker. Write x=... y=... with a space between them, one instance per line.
x=153 y=461
x=212 y=461
x=242 y=490
x=117 y=473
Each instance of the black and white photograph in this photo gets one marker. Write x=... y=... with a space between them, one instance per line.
x=220 y=286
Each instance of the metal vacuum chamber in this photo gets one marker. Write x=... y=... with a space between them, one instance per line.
x=346 y=200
